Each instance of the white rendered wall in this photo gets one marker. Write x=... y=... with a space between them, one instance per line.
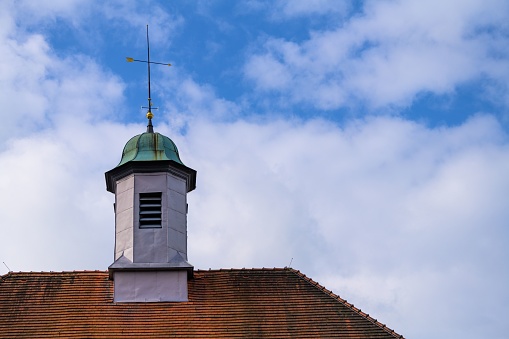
x=146 y=286
x=151 y=245
x=124 y=217
x=177 y=216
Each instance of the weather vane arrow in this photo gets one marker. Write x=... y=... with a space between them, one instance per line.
x=150 y=128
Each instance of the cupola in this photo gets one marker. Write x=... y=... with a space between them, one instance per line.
x=150 y=185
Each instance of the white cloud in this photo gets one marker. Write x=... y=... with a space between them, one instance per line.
x=131 y=18
x=54 y=110
x=406 y=221
x=87 y=20
x=388 y=213
x=23 y=67
x=184 y=99
x=389 y=54
x=304 y=7
x=39 y=88
x=284 y=9
x=269 y=73
x=37 y=12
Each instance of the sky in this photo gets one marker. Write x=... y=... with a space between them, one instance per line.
x=363 y=143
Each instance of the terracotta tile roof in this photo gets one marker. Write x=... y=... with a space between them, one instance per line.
x=236 y=303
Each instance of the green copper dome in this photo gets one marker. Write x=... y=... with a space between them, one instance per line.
x=150 y=147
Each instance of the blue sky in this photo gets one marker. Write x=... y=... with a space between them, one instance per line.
x=366 y=142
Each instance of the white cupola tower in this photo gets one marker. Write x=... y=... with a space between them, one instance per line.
x=150 y=185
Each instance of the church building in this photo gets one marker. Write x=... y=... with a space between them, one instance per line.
x=152 y=291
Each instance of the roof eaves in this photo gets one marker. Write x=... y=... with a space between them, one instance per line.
x=344 y=302
x=5 y=276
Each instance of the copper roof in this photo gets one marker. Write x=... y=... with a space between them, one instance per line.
x=236 y=303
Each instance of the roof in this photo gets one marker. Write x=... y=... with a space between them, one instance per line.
x=150 y=147
x=247 y=303
x=149 y=153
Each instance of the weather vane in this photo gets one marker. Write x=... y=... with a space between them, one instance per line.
x=150 y=128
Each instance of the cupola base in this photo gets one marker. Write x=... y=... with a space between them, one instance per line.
x=150 y=282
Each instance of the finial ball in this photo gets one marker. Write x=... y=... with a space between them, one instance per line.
x=150 y=115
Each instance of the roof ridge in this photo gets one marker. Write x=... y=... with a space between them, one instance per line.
x=196 y=270
x=54 y=272
x=244 y=269
x=345 y=303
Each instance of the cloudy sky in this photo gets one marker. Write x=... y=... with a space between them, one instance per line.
x=366 y=143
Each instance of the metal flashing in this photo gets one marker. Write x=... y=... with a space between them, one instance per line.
x=169 y=166
x=177 y=263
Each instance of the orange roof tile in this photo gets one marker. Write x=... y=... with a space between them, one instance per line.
x=236 y=303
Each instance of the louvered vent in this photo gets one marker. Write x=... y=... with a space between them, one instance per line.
x=150 y=210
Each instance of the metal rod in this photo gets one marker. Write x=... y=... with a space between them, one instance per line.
x=7 y=266
x=150 y=128
x=148 y=65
